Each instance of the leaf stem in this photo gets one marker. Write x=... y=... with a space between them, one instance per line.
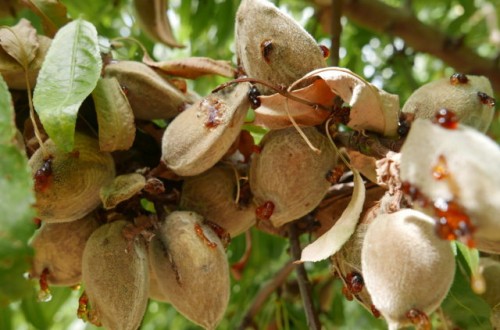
x=38 y=135
x=304 y=284
x=278 y=89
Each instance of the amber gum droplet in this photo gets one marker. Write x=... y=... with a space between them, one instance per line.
x=220 y=232
x=375 y=311
x=452 y=222
x=414 y=194
x=347 y=293
x=440 y=169
x=213 y=110
x=325 y=50
x=201 y=234
x=419 y=319
x=82 y=311
x=265 y=211
x=446 y=119
x=44 y=294
x=458 y=78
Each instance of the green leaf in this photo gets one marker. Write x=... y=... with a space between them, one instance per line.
x=7 y=125
x=471 y=257
x=5 y=318
x=41 y=314
x=114 y=115
x=68 y=75
x=16 y=225
x=465 y=309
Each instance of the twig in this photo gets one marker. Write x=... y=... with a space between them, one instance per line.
x=304 y=285
x=265 y=292
x=421 y=37
x=370 y=145
x=336 y=31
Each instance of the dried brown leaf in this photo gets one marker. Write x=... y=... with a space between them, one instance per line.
x=272 y=114
x=20 y=42
x=192 y=67
x=13 y=72
x=152 y=16
x=52 y=12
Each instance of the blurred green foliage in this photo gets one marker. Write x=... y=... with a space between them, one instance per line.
x=205 y=27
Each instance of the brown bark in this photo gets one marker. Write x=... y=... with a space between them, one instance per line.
x=400 y=22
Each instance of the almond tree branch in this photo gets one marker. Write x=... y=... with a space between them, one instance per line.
x=304 y=284
x=400 y=22
x=336 y=31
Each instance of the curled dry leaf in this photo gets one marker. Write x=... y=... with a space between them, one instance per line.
x=403 y=261
x=121 y=189
x=192 y=67
x=12 y=60
x=152 y=17
x=53 y=14
x=149 y=95
x=116 y=278
x=371 y=109
x=455 y=165
x=20 y=42
x=273 y=47
x=462 y=98
x=331 y=241
x=273 y=114
x=191 y=266
x=200 y=136
x=114 y=116
x=212 y=194
x=59 y=250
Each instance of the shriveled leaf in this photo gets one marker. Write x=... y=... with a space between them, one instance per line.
x=152 y=17
x=192 y=67
x=122 y=188
x=7 y=124
x=13 y=72
x=331 y=241
x=272 y=112
x=20 y=42
x=114 y=116
x=68 y=75
x=371 y=109
x=52 y=12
